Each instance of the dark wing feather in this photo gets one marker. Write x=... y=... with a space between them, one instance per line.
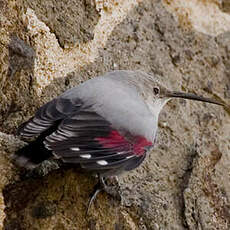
x=47 y=116
x=81 y=136
x=84 y=138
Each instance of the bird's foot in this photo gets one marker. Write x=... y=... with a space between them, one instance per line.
x=110 y=186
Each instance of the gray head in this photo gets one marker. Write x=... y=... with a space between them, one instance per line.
x=160 y=92
x=157 y=94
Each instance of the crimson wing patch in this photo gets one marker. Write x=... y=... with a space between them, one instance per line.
x=89 y=140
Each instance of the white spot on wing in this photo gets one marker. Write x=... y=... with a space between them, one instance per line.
x=119 y=153
x=75 y=149
x=129 y=157
x=102 y=162
x=87 y=156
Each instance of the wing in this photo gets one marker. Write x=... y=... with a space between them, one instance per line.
x=48 y=116
x=89 y=140
x=78 y=135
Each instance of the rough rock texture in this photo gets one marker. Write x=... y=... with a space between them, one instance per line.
x=184 y=182
x=71 y=21
x=206 y=16
x=9 y=174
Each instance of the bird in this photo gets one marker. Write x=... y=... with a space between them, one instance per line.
x=105 y=126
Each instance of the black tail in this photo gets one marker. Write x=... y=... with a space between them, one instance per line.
x=35 y=152
x=32 y=154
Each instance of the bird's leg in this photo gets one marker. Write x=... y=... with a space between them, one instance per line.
x=92 y=198
x=112 y=187
x=97 y=188
x=102 y=186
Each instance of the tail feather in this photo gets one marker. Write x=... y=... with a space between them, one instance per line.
x=32 y=154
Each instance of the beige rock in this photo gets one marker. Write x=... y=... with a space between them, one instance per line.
x=184 y=182
x=206 y=16
x=71 y=22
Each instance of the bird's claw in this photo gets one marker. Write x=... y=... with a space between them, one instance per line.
x=102 y=185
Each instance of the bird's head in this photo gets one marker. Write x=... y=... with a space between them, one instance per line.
x=156 y=94
x=162 y=93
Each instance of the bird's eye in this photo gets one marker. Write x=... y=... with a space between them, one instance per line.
x=156 y=90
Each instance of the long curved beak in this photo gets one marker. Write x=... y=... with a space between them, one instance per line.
x=190 y=96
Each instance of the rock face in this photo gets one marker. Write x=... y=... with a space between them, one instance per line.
x=48 y=47
x=72 y=22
